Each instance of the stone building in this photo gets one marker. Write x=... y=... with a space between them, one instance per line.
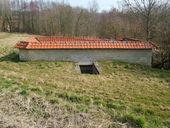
x=85 y=50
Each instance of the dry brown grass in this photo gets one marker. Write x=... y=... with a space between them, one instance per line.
x=17 y=111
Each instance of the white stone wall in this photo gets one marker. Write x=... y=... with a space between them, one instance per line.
x=132 y=56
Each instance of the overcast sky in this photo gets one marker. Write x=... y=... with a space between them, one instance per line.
x=103 y=4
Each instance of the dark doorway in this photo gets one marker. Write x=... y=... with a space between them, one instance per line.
x=89 y=69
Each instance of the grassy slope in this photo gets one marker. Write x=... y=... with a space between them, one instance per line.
x=134 y=95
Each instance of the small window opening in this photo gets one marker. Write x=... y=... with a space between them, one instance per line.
x=89 y=69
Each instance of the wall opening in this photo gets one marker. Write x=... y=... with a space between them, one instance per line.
x=89 y=69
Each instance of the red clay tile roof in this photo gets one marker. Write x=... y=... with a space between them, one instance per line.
x=80 y=43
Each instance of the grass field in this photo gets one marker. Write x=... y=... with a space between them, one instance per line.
x=53 y=94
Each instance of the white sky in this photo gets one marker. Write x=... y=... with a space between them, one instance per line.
x=102 y=4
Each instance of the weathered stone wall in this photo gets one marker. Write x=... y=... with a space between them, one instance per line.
x=132 y=56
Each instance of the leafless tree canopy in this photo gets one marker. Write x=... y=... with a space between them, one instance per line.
x=155 y=16
x=148 y=10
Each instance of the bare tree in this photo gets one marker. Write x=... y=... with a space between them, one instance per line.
x=6 y=15
x=92 y=18
x=146 y=9
x=77 y=22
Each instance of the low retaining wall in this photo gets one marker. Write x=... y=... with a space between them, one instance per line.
x=132 y=56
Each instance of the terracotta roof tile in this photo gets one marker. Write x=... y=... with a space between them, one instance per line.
x=80 y=43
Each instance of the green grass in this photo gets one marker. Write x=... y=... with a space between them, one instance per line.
x=127 y=93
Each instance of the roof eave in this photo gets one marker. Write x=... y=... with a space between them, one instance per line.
x=85 y=48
